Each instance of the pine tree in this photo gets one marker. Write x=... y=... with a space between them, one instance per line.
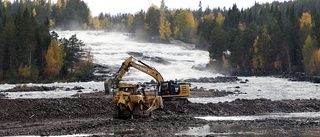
x=10 y=60
x=293 y=41
x=152 y=21
x=43 y=39
x=232 y=19
x=72 y=47
x=249 y=35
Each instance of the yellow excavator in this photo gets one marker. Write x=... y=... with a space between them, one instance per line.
x=129 y=101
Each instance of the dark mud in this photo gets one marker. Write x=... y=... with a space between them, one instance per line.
x=25 y=88
x=30 y=88
x=92 y=114
x=218 y=79
x=203 y=93
x=300 y=77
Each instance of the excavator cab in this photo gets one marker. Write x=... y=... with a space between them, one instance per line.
x=169 y=89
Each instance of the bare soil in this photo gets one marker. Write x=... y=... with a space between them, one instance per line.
x=92 y=114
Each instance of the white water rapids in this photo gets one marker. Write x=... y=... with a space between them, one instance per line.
x=111 y=49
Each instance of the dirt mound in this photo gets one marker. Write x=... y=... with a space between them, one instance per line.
x=30 y=88
x=39 y=109
x=246 y=107
x=92 y=113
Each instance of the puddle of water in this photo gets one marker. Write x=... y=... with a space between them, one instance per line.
x=231 y=130
x=234 y=130
x=268 y=116
x=213 y=130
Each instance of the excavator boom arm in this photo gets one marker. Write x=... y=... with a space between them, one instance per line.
x=122 y=71
x=144 y=68
x=148 y=70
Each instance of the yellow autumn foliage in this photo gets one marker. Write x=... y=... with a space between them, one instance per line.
x=96 y=23
x=34 y=12
x=257 y=59
x=315 y=63
x=184 y=25
x=220 y=19
x=164 y=29
x=306 y=20
x=23 y=71
x=54 y=57
x=209 y=16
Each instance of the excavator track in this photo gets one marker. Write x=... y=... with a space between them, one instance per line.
x=177 y=101
x=116 y=113
x=136 y=111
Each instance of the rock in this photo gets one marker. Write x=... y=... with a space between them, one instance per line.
x=156 y=59
x=218 y=79
x=3 y=95
x=135 y=54
x=30 y=88
x=77 y=88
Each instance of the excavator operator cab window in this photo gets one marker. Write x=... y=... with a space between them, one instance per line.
x=128 y=89
x=165 y=88
x=169 y=88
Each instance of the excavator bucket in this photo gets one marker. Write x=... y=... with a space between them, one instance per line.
x=108 y=86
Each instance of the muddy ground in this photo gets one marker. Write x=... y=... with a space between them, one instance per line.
x=92 y=114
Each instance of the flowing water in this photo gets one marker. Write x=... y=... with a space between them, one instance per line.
x=172 y=61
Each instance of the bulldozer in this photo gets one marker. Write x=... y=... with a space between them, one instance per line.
x=131 y=102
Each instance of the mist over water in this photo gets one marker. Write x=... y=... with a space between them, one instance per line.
x=172 y=61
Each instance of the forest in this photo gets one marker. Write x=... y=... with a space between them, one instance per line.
x=31 y=52
x=271 y=38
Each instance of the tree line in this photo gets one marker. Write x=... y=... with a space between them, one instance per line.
x=263 y=39
x=269 y=38
x=30 y=52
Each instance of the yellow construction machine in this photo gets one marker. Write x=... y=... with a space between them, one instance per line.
x=131 y=102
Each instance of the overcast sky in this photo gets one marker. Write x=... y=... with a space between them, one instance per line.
x=133 y=6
